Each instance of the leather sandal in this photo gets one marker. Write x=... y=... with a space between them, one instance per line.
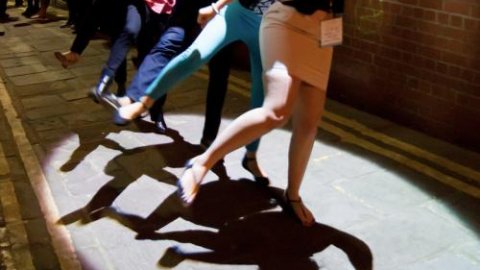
x=261 y=180
x=187 y=195
x=291 y=205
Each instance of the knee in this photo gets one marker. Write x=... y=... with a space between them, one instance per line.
x=275 y=118
x=279 y=111
x=131 y=30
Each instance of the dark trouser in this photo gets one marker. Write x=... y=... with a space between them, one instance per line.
x=124 y=40
x=3 y=8
x=219 y=70
x=74 y=11
x=33 y=4
x=109 y=15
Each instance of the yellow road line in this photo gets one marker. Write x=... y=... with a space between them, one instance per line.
x=419 y=152
x=22 y=259
x=404 y=160
x=60 y=236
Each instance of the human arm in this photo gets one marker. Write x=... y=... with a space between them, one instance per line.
x=205 y=14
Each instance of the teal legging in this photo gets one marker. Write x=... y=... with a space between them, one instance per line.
x=234 y=23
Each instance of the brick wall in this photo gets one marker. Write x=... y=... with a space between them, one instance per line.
x=416 y=62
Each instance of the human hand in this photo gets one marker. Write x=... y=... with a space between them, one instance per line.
x=205 y=14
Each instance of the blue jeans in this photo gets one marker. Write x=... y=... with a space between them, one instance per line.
x=170 y=44
x=234 y=23
x=125 y=39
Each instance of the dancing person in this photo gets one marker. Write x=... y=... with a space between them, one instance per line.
x=178 y=33
x=296 y=76
x=95 y=18
x=235 y=22
x=140 y=16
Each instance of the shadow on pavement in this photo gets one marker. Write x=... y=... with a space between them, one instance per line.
x=271 y=240
x=177 y=151
x=217 y=202
x=250 y=230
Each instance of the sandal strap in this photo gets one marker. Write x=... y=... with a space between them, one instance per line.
x=299 y=200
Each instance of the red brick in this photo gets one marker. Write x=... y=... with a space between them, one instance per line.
x=471 y=25
x=408 y=58
x=453 y=33
x=410 y=11
x=468 y=101
x=429 y=27
x=363 y=56
x=473 y=40
x=459 y=7
x=441 y=110
x=476 y=12
x=429 y=64
x=383 y=62
x=452 y=45
x=442 y=68
x=391 y=7
x=349 y=29
x=456 y=21
x=366 y=46
x=474 y=63
x=468 y=75
x=454 y=58
x=425 y=86
x=443 y=18
x=429 y=52
x=419 y=85
x=434 y=4
x=455 y=71
x=476 y=79
x=468 y=88
x=443 y=92
x=390 y=53
x=429 y=15
x=409 y=2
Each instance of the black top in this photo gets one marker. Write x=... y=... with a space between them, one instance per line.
x=310 y=6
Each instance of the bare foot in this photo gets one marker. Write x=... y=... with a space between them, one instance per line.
x=188 y=185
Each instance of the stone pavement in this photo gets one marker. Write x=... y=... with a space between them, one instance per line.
x=383 y=195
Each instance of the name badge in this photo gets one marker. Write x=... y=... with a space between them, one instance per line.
x=331 y=32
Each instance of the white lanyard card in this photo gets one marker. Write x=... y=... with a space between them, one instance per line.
x=331 y=32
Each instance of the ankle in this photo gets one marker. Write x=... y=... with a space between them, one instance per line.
x=251 y=155
x=147 y=102
x=292 y=195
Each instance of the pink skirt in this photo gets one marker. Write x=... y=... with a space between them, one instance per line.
x=293 y=39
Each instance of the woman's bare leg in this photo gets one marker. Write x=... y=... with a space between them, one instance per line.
x=282 y=91
x=306 y=116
